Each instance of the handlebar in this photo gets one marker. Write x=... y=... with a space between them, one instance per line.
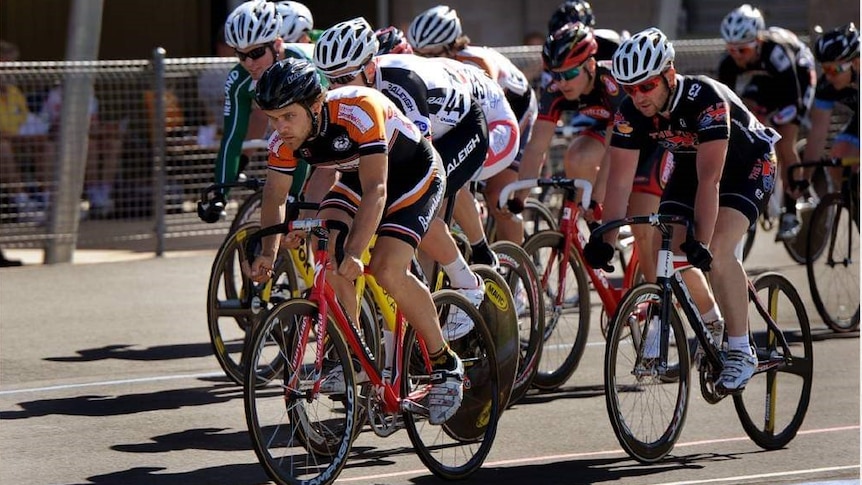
x=559 y=182
x=320 y=227
x=253 y=184
x=825 y=162
x=658 y=220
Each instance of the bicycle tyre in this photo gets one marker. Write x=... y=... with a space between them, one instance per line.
x=457 y=448
x=230 y=316
x=248 y=211
x=522 y=278
x=634 y=401
x=565 y=338
x=774 y=424
x=833 y=291
x=299 y=438
x=798 y=248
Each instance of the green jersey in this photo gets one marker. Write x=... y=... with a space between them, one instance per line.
x=238 y=104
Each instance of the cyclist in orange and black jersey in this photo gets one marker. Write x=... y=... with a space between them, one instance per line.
x=391 y=184
x=779 y=87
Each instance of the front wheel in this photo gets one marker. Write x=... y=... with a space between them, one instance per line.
x=775 y=400
x=833 y=278
x=647 y=407
x=459 y=446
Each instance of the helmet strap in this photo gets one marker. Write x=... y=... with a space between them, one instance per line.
x=670 y=94
x=272 y=49
x=315 y=119
x=365 y=79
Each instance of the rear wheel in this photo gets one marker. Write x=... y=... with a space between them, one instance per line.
x=775 y=400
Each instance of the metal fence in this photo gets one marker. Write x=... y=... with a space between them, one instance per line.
x=153 y=136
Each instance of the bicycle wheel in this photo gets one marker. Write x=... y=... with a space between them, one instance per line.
x=798 y=247
x=834 y=278
x=520 y=274
x=231 y=315
x=567 y=323
x=457 y=448
x=300 y=437
x=647 y=409
x=537 y=217
x=775 y=400
x=248 y=211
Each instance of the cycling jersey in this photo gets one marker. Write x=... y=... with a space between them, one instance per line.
x=515 y=84
x=781 y=81
x=357 y=121
x=827 y=96
x=701 y=110
x=238 y=104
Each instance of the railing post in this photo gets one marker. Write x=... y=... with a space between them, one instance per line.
x=159 y=150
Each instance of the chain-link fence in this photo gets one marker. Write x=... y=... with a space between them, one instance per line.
x=142 y=173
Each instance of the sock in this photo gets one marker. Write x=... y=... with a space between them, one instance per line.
x=443 y=358
x=739 y=343
x=712 y=315
x=460 y=275
x=789 y=204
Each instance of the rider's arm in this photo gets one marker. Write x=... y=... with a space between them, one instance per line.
x=710 y=165
x=534 y=153
x=272 y=207
x=621 y=167
x=237 y=107
x=818 y=133
x=373 y=173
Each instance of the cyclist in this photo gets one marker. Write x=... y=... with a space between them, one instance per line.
x=297 y=24
x=391 y=183
x=837 y=51
x=437 y=32
x=778 y=77
x=392 y=41
x=252 y=29
x=724 y=173
x=443 y=108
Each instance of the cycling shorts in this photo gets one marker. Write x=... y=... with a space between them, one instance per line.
x=654 y=170
x=463 y=149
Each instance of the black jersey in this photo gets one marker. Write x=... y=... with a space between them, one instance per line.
x=788 y=64
x=600 y=104
x=701 y=110
x=826 y=96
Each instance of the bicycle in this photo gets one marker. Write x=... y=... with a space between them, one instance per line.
x=303 y=436
x=834 y=233
x=558 y=257
x=648 y=410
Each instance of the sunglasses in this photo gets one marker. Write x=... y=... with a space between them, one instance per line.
x=833 y=69
x=253 y=54
x=742 y=49
x=645 y=87
x=567 y=75
x=431 y=53
x=344 y=78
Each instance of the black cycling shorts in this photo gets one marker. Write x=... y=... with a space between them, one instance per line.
x=463 y=149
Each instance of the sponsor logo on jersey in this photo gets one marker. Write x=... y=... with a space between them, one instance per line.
x=673 y=140
x=598 y=112
x=713 y=115
x=621 y=125
x=462 y=155
x=305 y=153
x=341 y=143
x=356 y=116
x=693 y=91
x=231 y=78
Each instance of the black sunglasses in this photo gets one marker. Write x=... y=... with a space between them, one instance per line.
x=253 y=54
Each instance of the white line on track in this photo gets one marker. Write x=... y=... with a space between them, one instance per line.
x=119 y=382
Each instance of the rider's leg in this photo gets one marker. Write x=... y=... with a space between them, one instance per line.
x=467 y=216
x=440 y=246
x=584 y=158
x=509 y=228
x=785 y=149
x=646 y=236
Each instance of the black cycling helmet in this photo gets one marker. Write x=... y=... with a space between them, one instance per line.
x=287 y=82
x=392 y=41
x=838 y=45
x=569 y=46
x=571 y=11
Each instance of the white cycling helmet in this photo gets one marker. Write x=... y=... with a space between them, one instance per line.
x=252 y=23
x=296 y=19
x=434 y=27
x=742 y=24
x=351 y=43
x=642 y=56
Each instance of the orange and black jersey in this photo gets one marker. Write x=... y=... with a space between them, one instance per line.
x=357 y=121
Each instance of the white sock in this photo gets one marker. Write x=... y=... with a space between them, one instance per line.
x=459 y=273
x=739 y=343
x=712 y=315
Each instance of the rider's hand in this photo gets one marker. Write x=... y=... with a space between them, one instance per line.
x=213 y=210
x=260 y=270
x=351 y=267
x=293 y=240
x=598 y=254
x=697 y=254
x=593 y=214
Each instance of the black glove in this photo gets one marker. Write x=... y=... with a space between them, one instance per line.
x=599 y=254
x=697 y=254
x=213 y=210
